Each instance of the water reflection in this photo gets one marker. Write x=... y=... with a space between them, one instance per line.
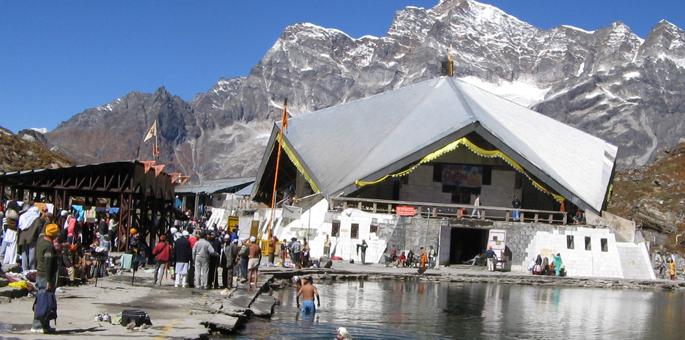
x=416 y=310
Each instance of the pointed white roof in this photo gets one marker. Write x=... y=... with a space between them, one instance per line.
x=368 y=138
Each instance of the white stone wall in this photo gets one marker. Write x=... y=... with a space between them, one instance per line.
x=578 y=261
x=344 y=246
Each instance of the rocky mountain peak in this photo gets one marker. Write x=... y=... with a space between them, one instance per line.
x=665 y=40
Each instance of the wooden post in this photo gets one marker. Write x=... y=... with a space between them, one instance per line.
x=375 y=207
x=506 y=216
x=536 y=217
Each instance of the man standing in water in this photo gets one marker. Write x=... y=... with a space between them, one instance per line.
x=255 y=257
x=308 y=291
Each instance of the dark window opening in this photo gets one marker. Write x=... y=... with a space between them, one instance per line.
x=355 y=230
x=569 y=242
x=605 y=244
x=487 y=175
x=374 y=228
x=437 y=172
x=588 y=245
x=335 y=232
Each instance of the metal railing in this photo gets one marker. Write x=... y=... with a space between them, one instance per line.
x=449 y=210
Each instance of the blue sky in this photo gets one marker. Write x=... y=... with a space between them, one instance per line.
x=58 y=58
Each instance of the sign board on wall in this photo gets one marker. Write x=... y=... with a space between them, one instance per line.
x=405 y=211
x=465 y=176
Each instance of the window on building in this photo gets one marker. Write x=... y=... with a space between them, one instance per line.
x=588 y=243
x=570 y=244
x=335 y=232
x=605 y=244
x=355 y=231
x=374 y=228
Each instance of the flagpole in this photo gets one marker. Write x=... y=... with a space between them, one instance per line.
x=284 y=125
x=156 y=155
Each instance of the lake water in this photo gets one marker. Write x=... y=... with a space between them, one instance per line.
x=416 y=310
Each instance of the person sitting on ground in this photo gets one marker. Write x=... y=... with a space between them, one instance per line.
x=545 y=266
x=578 y=218
x=479 y=259
x=401 y=260
x=307 y=292
x=410 y=259
x=537 y=270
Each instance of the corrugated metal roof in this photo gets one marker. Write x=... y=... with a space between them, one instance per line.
x=214 y=186
x=355 y=140
x=23 y=172
x=246 y=191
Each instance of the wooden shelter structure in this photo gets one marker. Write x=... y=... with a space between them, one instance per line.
x=141 y=191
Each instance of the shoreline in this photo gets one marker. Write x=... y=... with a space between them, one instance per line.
x=192 y=313
x=471 y=274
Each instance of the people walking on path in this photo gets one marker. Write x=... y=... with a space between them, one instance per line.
x=476 y=207
x=296 y=250
x=46 y=276
x=30 y=225
x=272 y=249
x=162 y=253
x=202 y=251
x=491 y=258
x=307 y=291
x=305 y=254
x=213 y=275
x=431 y=257
x=184 y=253
x=671 y=268
x=244 y=255
x=231 y=257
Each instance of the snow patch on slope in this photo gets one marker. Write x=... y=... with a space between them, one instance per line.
x=523 y=93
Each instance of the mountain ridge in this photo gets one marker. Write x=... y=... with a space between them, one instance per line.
x=608 y=82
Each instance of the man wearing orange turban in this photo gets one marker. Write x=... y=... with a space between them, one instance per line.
x=45 y=277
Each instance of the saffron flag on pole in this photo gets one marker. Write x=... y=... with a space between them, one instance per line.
x=284 y=126
x=152 y=132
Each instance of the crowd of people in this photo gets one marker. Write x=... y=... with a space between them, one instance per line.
x=425 y=258
x=547 y=266
x=77 y=239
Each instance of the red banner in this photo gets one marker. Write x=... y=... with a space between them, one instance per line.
x=405 y=211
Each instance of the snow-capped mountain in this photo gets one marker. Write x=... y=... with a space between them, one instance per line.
x=609 y=82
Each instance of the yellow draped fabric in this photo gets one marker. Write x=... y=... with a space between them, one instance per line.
x=473 y=147
x=299 y=166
